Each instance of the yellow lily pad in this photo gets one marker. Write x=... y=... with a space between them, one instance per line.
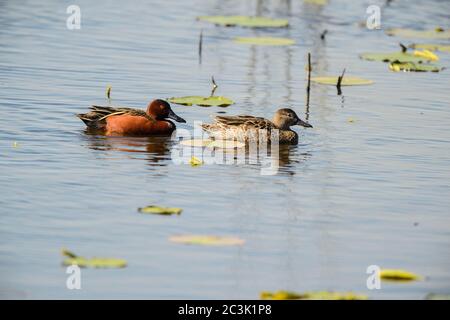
x=196 y=143
x=431 y=47
x=398 y=275
x=411 y=66
x=318 y=295
x=207 y=240
x=265 y=41
x=92 y=262
x=393 y=56
x=226 y=144
x=202 y=101
x=195 y=162
x=246 y=21
x=427 y=54
x=346 y=81
x=437 y=33
x=166 y=211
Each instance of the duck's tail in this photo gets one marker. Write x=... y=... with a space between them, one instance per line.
x=96 y=119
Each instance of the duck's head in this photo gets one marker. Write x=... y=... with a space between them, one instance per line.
x=285 y=118
x=160 y=110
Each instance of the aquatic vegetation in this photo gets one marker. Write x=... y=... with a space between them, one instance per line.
x=411 y=66
x=427 y=54
x=398 y=275
x=393 y=56
x=207 y=240
x=95 y=262
x=166 y=211
x=346 y=81
x=195 y=162
x=265 y=41
x=246 y=21
x=317 y=2
x=202 y=101
x=437 y=296
x=431 y=47
x=437 y=33
x=317 y=295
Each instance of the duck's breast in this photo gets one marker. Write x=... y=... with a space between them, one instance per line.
x=135 y=125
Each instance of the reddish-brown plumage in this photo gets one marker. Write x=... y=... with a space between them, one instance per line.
x=132 y=122
x=135 y=125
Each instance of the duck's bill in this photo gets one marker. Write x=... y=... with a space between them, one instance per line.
x=305 y=124
x=173 y=116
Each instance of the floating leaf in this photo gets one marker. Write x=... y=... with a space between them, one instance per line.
x=196 y=142
x=437 y=296
x=92 y=262
x=398 y=275
x=431 y=47
x=202 y=101
x=437 y=33
x=265 y=41
x=246 y=21
x=427 y=54
x=317 y=2
x=319 y=295
x=15 y=144
x=393 y=56
x=226 y=144
x=410 y=66
x=207 y=240
x=166 y=211
x=346 y=81
x=351 y=120
x=195 y=162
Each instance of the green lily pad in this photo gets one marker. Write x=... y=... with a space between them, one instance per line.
x=92 y=262
x=318 y=295
x=246 y=21
x=437 y=33
x=398 y=275
x=207 y=240
x=265 y=41
x=166 y=211
x=411 y=66
x=437 y=296
x=346 y=81
x=202 y=101
x=392 y=56
x=316 y=2
x=431 y=47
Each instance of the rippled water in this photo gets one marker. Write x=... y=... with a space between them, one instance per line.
x=350 y=195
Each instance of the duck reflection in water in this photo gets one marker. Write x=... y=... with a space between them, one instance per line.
x=156 y=149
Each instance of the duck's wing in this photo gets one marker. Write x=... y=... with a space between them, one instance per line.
x=244 y=121
x=96 y=118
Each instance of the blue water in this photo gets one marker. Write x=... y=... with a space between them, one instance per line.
x=375 y=191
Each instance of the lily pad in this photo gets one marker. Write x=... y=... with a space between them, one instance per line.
x=437 y=33
x=318 y=295
x=166 y=211
x=426 y=54
x=431 y=47
x=196 y=143
x=195 y=162
x=202 y=101
x=207 y=240
x=398 y=275
x=393 y=56
x=316 y=2
x=437 y=296
x=92 y=262
x=265 y=41
x=410 y=66
x=246 y=21
x=226 y=144
x=346 y=81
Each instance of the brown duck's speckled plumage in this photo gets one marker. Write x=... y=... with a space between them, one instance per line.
x=249 y=128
